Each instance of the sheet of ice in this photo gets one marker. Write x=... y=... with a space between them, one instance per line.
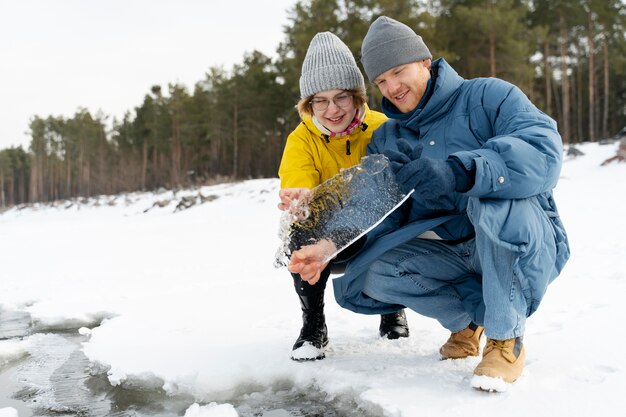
x=341 y=209
x=191 y=301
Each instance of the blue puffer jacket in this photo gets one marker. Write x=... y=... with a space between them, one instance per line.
x=517 y=151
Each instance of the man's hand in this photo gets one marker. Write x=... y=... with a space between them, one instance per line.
x=309 y=261
x=432 y=179
x=397 y=159
x=287 y=195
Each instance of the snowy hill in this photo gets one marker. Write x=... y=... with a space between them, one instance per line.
x=189 y=301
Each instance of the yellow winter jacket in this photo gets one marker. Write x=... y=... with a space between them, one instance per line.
x=309 y=159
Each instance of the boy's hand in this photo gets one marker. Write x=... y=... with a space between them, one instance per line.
x=309 y=261
x=287 y=195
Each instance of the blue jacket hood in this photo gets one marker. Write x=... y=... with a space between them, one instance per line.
x=438 y=101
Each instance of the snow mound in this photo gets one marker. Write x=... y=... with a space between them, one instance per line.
x=211 y=410
x=488 y=383
x=8 y=412
x=307 y=352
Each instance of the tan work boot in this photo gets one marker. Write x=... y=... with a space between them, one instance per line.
x=462 y=344
x=503 y=360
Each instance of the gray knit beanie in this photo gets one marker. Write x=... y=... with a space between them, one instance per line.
x=388 y=44
x=329 y=65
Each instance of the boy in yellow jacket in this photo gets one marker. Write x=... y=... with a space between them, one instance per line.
x=336 y=127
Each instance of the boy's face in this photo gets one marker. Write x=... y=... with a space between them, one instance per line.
x=405 y=85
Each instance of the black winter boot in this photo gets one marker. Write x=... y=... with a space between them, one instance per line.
x=314 y=334
x=394 y=325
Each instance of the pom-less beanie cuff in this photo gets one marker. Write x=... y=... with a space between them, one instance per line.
x=388 y=44
x=341 y=77
x=328 y=65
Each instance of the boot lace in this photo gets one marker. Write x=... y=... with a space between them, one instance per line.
x=313 y=325
x=497 y=344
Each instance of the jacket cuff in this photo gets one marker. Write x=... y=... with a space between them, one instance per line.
x=464 y=178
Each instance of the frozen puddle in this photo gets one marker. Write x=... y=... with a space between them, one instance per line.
x=14 y=324
x=290 y=402
x=55 y=378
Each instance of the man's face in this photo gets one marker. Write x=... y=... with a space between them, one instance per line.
x=405 y=85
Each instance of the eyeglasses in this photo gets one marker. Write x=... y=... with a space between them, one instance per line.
x=341 y=100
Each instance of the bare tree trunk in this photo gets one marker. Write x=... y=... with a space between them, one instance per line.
x=144 y=164
x=2 y=200
x=155 y=162
x=592 y=81
x=577 y=93
x=87 y=175
x=605 y=116
x=22 y=188
x=492 y=43
x=81 y=172
x=51 y=180
x=42 y=175
x=33 y=195
x=175 y=174
x=235 y=138
x=11 y=190
x=68 y=176
x=155 y=155
x=492 y=53
x=563 y=42
x=548 y=74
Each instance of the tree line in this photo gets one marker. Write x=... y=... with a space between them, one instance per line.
x=568 y=56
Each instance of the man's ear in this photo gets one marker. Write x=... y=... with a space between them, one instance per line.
x=427 y=62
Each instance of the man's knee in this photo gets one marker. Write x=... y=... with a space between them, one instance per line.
x=376 y=280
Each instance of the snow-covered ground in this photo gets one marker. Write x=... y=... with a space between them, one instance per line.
x=191 y=301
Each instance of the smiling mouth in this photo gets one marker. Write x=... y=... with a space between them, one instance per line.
x=399 y=97
x=335 y=119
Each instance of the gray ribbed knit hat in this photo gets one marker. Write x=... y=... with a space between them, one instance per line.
x=389 y=43
x=329 y=65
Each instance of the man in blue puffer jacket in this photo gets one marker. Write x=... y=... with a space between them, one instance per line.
x=477 y=244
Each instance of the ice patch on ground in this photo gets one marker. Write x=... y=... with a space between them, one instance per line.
x=14 y=322
x=48 y=352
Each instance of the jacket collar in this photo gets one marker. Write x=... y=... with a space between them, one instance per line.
x=320 y=131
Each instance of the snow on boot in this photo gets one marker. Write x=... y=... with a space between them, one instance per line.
x=463 y=343
x=393 y=325
x=314 y=334
x=502 y=364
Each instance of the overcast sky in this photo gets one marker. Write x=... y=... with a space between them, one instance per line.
x=59 y=55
